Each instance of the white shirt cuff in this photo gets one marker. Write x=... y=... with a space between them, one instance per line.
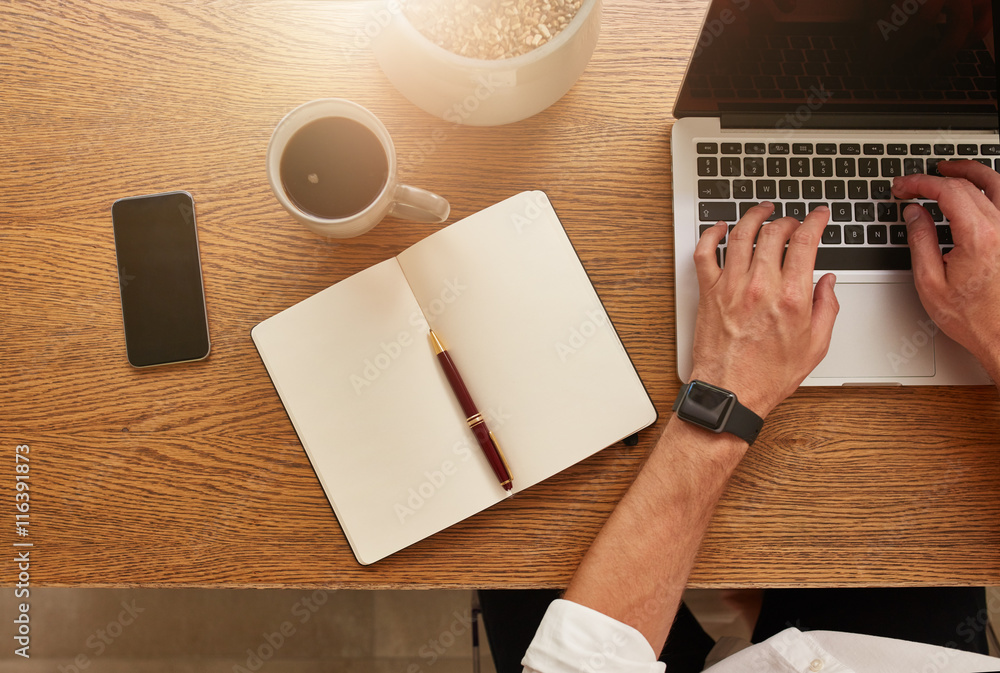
x=573 y=638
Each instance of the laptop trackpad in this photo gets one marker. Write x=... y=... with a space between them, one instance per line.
x=881 y=330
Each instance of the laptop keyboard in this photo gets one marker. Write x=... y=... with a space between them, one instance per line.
x=866 y=229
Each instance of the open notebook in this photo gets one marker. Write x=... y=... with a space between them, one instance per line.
x=506 y=292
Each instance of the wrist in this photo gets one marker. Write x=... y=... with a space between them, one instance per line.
x=723 y=450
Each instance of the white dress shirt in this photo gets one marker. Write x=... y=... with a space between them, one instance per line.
x=575 y=639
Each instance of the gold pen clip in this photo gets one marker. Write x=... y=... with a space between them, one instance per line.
x=496 y=445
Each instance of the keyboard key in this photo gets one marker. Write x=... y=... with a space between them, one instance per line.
x=932 y=166
x=867 y=167
x=944 y=234
x=874 y=148
x=713 y=189
x=796 y=209
x=713 y=211
x=805 y=148
x=778 y=212
x=921 y=149
x=777 y=148
x=708 y=166
x=850 y=148
x=831 y=234
x=846 y=167
x=990 y=150
x=835 y=189
x=897 y=149
x=860 y=259
x=730 y=166
x=742 y=189
x=897 y=234
x=841 y=211
x=798 y=167
x=822 y=168
x=944 y=149
x=754 y=148
x=864 y=211
x=777 y=167
x=708 y=148
x=887 y=212
x=812 y=189
x=826 y=148
x=968 y=150
x=767 y=190
x=913 y=166
x=891 y=167
x=745 y=206
x=732 y=148
x=857 y=189
x=935 y=211
x=881 y=190
x=753 y=167
x=854 y=234
x=788 y=189
x=877 y=234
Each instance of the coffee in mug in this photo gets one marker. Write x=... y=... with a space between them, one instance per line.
x=333 y=167
x=331 y=163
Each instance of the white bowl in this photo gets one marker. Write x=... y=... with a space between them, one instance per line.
x=482 y=92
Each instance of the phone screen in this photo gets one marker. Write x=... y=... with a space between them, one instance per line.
x=159 y=275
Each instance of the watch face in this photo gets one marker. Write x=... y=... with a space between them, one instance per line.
x=706 y=405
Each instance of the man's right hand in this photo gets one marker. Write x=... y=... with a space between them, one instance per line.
x=959 y=290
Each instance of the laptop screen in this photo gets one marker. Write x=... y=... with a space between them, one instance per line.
x=871 y=58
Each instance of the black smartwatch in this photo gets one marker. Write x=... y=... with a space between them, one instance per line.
x=716 y=409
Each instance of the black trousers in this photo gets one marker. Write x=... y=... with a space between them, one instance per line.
x=950 y=617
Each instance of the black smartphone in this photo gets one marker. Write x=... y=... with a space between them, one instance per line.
x=159 y=276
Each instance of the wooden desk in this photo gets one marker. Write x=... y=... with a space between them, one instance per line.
x=192 y=475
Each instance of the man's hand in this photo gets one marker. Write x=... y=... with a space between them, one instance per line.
x=761 y=329
x=959 y=290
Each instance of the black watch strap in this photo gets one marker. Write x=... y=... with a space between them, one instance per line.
x=744 y=423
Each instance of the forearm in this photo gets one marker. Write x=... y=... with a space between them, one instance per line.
x=638 y=566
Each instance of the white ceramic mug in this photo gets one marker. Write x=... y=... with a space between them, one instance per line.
x=394 y=198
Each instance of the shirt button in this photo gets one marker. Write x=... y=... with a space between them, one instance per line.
x=816 y=665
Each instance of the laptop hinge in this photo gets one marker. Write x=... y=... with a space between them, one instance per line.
x=794 y=121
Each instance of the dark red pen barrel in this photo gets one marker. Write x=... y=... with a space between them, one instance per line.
x=483 y=435
x=479 y=429
x=461 y=392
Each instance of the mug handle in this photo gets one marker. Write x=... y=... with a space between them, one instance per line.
x=413 y=203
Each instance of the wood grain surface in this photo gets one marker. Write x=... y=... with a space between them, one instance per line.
x=191 y=475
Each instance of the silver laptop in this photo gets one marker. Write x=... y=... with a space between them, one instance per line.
x=825 y=103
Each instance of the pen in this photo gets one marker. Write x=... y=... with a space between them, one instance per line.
x=488 y=443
